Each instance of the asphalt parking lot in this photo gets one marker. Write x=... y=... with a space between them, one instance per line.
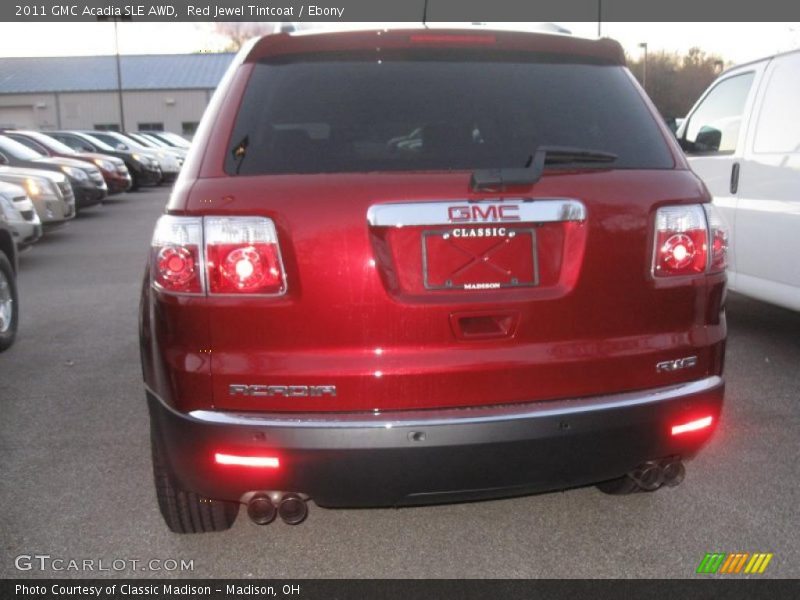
x=76 y=480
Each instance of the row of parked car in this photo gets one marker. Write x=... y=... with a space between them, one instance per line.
x=46 y=179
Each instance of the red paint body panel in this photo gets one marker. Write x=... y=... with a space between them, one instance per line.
x=597 y=323
x=357 y=315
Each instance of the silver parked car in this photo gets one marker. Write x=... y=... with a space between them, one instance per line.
x=50 y=192
x=9 y=301
x=20 y=214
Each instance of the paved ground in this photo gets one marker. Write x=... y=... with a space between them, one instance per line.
x=75 y=464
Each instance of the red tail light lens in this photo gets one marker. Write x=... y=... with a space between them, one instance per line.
x=243 y=256
x=681 y=246
x=176 y=260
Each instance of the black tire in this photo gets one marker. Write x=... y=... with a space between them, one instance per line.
x=8 y=287
x=135 y=183
x=620 y=486
x=183 y=511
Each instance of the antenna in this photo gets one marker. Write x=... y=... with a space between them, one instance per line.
x=425 y=14
x=599 y=17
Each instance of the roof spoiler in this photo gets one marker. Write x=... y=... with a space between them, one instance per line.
x=281 y=43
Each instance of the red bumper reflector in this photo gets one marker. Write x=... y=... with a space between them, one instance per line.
x=692 y=426
x=268 y=462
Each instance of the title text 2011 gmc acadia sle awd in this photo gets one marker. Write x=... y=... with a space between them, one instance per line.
x=419 y=266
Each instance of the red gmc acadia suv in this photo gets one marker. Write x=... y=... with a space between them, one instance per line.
x=419 y=266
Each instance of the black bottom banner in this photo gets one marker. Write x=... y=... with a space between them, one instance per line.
x=334 y=589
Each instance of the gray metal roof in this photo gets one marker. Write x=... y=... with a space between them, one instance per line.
x=98 y=73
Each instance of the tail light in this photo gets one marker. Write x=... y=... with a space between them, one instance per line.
x=176 y=260
x=243 y=256
x=689 y=240
x=217 y=255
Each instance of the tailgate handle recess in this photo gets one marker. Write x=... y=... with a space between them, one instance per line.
x=484 y=325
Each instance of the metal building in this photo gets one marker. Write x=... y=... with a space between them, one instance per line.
x=81 y=92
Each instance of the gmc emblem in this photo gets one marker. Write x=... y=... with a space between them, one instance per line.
x=287 y=391
x=481 y=213
x=669 y=366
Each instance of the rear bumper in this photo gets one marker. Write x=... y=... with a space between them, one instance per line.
x=434 y=456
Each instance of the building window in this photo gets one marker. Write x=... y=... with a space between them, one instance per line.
x=106 y=127
x=189 y=127
x=151 y=127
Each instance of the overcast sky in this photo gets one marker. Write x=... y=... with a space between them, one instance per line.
x=736 y=42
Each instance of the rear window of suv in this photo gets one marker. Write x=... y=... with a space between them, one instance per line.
x=448 y=112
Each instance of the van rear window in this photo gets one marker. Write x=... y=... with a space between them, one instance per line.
x=363 y=115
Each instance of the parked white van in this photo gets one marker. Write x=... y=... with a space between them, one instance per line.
x=743 y=139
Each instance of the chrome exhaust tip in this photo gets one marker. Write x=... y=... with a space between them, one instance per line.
x=261 y=510
x=674 y=472
x=292 y=509
x=649 y=476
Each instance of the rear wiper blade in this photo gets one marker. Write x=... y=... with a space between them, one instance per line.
x=495 y=179
x=562 y=154
x=240 y=152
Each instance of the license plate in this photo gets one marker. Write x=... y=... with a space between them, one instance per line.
x=479 y=258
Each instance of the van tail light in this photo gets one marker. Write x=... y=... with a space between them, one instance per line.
x=217 y=255
x=243 y=257
x=176 y=260
x=689 y=240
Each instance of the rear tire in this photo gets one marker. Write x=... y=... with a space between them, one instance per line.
x=184 y=511
x=9 y=303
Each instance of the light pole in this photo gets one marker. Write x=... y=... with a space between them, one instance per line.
x=644 y=67
x=119 y=68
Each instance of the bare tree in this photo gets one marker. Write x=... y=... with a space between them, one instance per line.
x=240 y=31
x=675 y=82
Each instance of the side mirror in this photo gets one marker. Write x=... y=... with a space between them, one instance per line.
x=708 y=140
x=121 y=146
x=3 y=160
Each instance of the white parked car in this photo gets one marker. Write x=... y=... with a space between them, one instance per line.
x=743 y=139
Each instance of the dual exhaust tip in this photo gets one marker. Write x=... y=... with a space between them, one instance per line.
x=291 y=508
x=651 y=475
